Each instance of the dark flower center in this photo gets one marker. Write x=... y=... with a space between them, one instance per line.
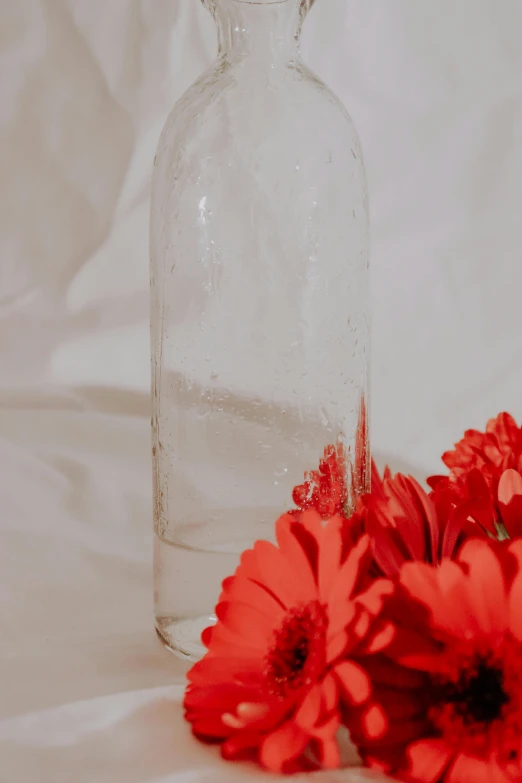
x=297 y=652
x=478 y=708
x=478 y=696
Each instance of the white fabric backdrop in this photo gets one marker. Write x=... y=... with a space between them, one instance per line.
x=435 y=89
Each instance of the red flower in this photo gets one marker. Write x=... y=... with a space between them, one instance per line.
x=325 y=489
x=495 y=507
x=485 y=480
x=447 y=692
x=492 y=451
x=280 y=658
x=404 y=523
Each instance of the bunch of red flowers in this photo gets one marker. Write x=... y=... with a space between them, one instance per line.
x=402 y=622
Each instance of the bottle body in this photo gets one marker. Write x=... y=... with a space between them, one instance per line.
x=259 y=267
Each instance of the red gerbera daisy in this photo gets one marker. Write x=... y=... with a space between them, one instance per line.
x=279 y=659
x=404 y=523
x=447 y=692
x=492 y=451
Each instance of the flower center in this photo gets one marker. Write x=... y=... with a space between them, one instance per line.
x=297 y=653
x=478 y=696
x=478 y=707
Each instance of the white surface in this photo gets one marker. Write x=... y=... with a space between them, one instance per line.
x=435 y=89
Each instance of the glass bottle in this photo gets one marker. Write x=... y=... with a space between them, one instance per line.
x=259 y=275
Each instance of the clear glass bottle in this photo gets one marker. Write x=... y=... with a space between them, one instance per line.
x=259 y=255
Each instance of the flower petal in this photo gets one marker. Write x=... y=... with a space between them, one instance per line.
x=311 y=521
x=289 y=534
x=506 y=431
x=375 y=722
x=510 y=501
x=354 y=681
x=240 y=745
x=329 y=557
x=428 y=759
x=336 y=647
x=255 y=595
x=429 y=517
x=509 y=486
x=420 y=580
x=251 y=712
x=308 y=712
x=515 y=595
x=340 y=615
x=329 y=755
x=246 y=621
x=373 y=598
x=348 y=575
x=487 y=590
x=407 y=514
x=206 y=636
x=416 y=649
x=330 y=693
x=218 y=670
x=283 y=745
x=444 y=592
x=232 y=721
x=379 y=638
x=226 y=643
x=277 y=575
x=329 y=728
x=469 y=768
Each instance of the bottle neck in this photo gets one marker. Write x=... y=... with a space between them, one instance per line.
x=263 y=30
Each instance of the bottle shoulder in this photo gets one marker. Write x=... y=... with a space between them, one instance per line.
x=232 y=98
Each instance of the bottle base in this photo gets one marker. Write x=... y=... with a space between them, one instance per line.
x=183 y=636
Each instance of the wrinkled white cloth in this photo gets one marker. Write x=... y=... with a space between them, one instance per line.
x=87 y=694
